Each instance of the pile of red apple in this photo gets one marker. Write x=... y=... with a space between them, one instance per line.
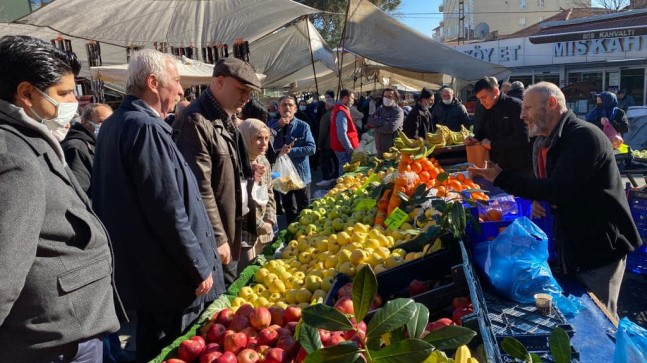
x=346 y=291
x=249 y=335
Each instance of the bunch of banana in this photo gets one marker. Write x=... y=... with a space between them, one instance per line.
x=407 y=145
x=351 y=167
x=436 y=139
x=453 y=137
x=393 y=154
x=360 y=156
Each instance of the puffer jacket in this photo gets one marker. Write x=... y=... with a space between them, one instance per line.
x=453 y=115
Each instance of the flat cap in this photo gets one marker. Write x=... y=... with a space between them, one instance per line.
x=239 y=69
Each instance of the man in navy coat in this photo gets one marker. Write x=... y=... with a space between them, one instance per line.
x=147 y=196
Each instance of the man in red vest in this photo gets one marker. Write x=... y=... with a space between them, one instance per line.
x=343 y=134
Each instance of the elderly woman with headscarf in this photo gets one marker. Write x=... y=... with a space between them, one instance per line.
x=256 y=135
x=607 y=111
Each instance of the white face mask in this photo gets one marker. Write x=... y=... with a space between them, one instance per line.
x=302 y=108
x=387 y=102
x=96 y=128
x=273 y=114
x=59 y=133
x=65 y=112
x=447 y=102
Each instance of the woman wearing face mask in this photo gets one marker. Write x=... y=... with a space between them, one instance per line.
x=386 y=121
x=606 y=111
x=58 y=298
x=261 y=203
x=418 y=121
x=450 y=111
x=272 y=111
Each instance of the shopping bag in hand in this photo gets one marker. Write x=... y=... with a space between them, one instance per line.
x=613 y=135
x=289 y=179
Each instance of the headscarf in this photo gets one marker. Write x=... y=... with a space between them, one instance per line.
x=609 y=102
x=249 y=129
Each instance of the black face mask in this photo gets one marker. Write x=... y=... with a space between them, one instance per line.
x=598 y=105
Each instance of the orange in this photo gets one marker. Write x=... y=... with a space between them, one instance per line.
x=406 y=159
x=403 y=168
x=416 y=167
x=454 y=184
x=433 y=173
x=424 y=176
x=461 y=177
x=494 y=215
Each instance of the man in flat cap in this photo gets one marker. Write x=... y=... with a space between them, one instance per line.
x=207 y=136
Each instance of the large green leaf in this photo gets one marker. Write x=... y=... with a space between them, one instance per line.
x=458 y=219
x=325 y=317
x=397 y=335
x=405 y=351
x=393 y=314
x=341 y=353
x=309 y=338
x=535 y=358
x=373 y=343
x=560 y=345
x=515 y=349
x=440 y=178
x=417 y=325
x=438 y=356
x=450 y=337
x=364 y=290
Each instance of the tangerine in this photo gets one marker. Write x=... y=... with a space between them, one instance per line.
x=416 y=167
x=494 y=215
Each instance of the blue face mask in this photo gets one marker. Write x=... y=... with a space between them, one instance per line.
x=96 y=128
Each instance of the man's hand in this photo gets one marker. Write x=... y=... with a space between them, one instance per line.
x=490 y=172
x=486 y=143
x=204 y=286
x=285 y=149
x=469 y=141
x=259 y=171
x=538 y=210
x=225 y=254
x=284 y=121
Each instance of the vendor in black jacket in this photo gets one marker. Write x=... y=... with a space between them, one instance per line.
x=500 y=129
x=577 y=174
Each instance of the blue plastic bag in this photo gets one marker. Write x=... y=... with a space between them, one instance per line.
x=516 y=262
x=631 y=343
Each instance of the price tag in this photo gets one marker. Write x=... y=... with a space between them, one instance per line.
x=366 y=203
x=396 y=219
x=370 y=179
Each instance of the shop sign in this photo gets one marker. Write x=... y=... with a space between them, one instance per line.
x=495 y=54
x=597 y=46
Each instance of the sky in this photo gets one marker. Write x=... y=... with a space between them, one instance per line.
x=421 y=15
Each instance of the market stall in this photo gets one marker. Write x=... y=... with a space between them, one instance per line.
x=399 y=238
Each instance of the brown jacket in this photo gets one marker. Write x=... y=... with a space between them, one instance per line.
x=213 y=155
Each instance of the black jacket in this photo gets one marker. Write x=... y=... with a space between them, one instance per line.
x=78 y=148
x=148 y=198
x=453 y=115
x=418 y=122
x=507 y=132
x=592 y=215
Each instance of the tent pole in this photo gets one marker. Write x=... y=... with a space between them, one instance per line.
x=355 y=75
x=312 y=57
x=341 y=46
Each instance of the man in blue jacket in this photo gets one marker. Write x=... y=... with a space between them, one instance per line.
x=148 y=198
x=294 y=138
x=577 y=174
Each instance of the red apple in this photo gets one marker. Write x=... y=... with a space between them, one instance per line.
x=461 y=302
x=301 y=356
x=283 y=331
x=227 y=357
x=458 y=315
x=262 y=349
x=417 y=287
x=211 y=357
x=215 y=333
x=291 y=326
x=224 y=317
x=275 y=326
x=438 y=324
x=276 y=355
x=238 y=323
x=345 y=291
x=277 y=315
x=235 y=342
x=345 y=305
x=288 y=344
x=335 y=339
x=189 y=350
x=260 y=318
x=324 y=335
x=244 y=310
x=292 y=313
x=250 y=332
x=174 y=360
x=212 y=347
x=248 y=356
x=268 y=336
x=252 y=342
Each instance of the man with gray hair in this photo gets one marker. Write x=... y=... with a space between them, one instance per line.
x=78 y=145
x=575 y=173
x=148 y=198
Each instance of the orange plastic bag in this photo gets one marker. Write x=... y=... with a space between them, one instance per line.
x=477 y=155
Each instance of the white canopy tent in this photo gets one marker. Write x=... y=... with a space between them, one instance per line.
x=179 y=23
x=375 y=35
x=191 y=72
x=284 y=54
x=110 y=54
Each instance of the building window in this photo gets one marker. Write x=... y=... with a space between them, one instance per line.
x=522 y=4
x=36 y=4
x=540 y=3
x=522 y=21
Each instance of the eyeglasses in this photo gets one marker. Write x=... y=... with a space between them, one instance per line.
x=288 y=105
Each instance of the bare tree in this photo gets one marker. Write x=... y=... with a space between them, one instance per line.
x=610 y=5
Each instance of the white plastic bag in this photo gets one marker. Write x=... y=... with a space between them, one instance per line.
x=243 y=191
x=288 y=179
x=260 y=195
